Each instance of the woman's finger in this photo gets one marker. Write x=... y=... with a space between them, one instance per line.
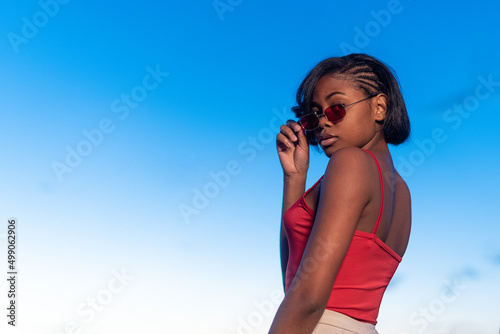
x=288 y=132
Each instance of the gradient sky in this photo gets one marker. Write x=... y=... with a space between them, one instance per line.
x=120 y=117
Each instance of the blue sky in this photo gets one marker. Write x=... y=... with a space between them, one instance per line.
x=118 y=117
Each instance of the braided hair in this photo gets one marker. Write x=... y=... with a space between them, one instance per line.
x=371 y=76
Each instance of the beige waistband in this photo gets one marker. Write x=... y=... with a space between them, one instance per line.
x=332 y=322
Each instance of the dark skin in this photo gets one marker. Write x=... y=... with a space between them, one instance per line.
x=346 y=200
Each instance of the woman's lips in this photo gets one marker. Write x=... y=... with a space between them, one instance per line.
x=328 y=141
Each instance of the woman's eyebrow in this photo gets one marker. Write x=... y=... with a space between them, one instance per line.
x=334 y=93
x=315 y=104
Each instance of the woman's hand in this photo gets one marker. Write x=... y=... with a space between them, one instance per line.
x=293 y=149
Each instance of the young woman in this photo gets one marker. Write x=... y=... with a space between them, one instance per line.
x=342 y=239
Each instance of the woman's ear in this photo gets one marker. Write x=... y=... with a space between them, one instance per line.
x=380 y=107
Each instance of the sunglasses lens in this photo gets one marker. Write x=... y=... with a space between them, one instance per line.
x=335 y=113
x=309 y=122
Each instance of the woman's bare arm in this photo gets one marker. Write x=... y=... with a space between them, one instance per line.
x=347 y=188
x=293 y=189
x=293 y=151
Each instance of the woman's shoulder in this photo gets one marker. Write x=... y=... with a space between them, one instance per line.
x=351 y=167
x=353 y=159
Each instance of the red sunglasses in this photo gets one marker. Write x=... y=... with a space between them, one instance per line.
x=334 y=114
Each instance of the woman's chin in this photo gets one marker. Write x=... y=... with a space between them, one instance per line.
x=328 y=150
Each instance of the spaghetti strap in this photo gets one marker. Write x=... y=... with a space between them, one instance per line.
x=308 y=190
x=381 y=192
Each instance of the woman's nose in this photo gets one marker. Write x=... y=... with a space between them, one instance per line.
x=323 y=121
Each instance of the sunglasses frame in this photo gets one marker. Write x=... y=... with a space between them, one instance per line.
x=319 y=116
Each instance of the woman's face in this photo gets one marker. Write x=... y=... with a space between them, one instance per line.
x=358 y=128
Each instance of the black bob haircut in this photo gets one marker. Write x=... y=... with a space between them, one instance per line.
x=368 y=74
